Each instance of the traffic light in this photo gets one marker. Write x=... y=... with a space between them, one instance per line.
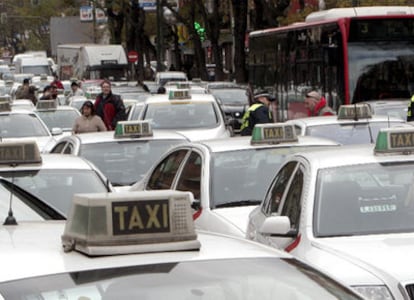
x=201 y=31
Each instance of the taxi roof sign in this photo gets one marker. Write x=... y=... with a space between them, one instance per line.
x=17 y=153
x=273 y=133
x=133 y=222
x=179 y=94
x=5 y=103
x=395 y=141
x=354 y=112
x=133 y=129
x=46 y=105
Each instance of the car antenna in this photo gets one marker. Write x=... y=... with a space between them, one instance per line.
x=10 y=219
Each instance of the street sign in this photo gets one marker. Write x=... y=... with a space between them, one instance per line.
x=132 y=56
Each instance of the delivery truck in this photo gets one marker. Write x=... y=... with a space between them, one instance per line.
x=92 y=61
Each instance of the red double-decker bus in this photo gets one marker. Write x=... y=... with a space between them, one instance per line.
x=349 y=55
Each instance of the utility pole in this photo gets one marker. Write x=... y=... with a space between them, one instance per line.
x=160 y=56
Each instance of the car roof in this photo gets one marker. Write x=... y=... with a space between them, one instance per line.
x=326 y=120
x=163 y=98
x=350 y=155
x=240 y=143
x=108 y=136
x=38 y=245
x=53 y=161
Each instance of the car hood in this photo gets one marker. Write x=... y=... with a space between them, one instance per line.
x=205 y=134
x=238 y=216
x=391 y=253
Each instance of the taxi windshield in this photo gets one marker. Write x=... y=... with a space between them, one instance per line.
x=122 y=162
x=21 y=125
x=351 y=134
x=242 y=177
x=371 y=198
x=58 y=118
x=225 y=279
x=181 y=114
x=57 y=187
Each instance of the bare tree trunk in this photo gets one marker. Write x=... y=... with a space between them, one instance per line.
x=240 y=27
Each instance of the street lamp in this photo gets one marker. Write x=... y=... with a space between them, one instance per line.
x=160 y=56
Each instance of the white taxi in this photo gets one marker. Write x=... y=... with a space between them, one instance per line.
x=54 y=178
x=197 y=116
x=123 y=155
x=354 y=124
x=143 y=245
x=228 y=177
x=22 y=124
x=57 y=116
x=349 y=212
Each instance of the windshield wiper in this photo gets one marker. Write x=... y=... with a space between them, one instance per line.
x=239 y=203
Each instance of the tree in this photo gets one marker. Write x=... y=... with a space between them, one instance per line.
x=240 y=28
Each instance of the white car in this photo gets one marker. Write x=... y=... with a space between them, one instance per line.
x=354 y=124
x=21 y=124
x=123 y=157
x=349 y=212
x=198 y=116
x=112 y=249
x=53 y=178
x=228 y=177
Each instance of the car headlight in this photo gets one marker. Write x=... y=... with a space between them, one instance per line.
x=374 y=292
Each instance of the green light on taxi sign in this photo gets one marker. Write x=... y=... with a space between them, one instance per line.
x=395 y=140
x=16 y=153
x=133 y=222
x=133 y=129
x=354 y=112
x=179 y=94
x=273 y=133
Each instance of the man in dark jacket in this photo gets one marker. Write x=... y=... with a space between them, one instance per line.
x=257 y=113
x=109 y=107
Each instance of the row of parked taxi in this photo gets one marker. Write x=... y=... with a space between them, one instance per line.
x=169 y=212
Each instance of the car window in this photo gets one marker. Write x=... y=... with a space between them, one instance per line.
x=69 y=149
x=163 y=175
x=190 y=177
x=274 y=198
x=292 y=204
x=58 y=148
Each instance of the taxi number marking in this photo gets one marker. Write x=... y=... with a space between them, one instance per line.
x=402 y=140
x=272 y=133
x=140 y=217
x=11 y=153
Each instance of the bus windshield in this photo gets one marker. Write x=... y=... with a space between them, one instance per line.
x=381 y=70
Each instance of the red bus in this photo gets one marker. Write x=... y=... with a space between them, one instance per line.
x=349 y=55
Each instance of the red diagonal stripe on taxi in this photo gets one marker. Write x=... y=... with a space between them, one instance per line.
x=294 y=244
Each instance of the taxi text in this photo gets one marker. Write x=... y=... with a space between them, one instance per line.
x=133 y=217
x=402 y=139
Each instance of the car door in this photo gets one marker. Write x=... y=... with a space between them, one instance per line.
x=285 y=199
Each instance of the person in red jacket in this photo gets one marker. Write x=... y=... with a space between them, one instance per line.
x=109 y=107
x=317 y=105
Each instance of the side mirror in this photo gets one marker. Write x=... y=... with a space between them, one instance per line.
x=56 y=131
x=277 y=226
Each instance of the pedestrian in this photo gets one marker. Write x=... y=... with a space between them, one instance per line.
x=47 y=93
x=317 y=105
x=56 y=82
x=257 y=113
x=75 y=90
x=109 y=107
x=88 y=121
x=26 y=91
